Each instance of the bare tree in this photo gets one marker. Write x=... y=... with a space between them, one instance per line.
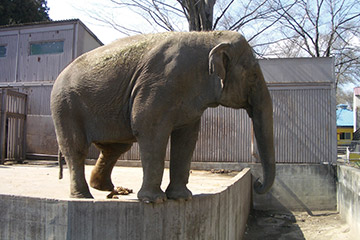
x=158 y=14
x=200 y=15
x=166 y=14
x=321 y=28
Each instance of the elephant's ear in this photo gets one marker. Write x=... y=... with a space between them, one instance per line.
x=217 y=60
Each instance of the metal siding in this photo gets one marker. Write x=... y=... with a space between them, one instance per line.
x=132 y=154
x=8 y=63
x=38 y=98
x=298 y=70
x=86 y=41
x=303 y=133
x=44 y=67
x=303 y=125
x=224 y=136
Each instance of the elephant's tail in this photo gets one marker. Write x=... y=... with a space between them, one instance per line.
x=60 y=162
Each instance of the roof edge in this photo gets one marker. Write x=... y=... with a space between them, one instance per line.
x=20 y=25
x=55 y=23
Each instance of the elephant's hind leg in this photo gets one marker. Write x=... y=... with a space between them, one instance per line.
x=101 y=174
x=75 y=160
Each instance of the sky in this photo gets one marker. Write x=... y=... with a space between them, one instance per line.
x=71 y=9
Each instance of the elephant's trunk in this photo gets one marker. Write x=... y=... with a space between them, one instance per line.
x=262 y=118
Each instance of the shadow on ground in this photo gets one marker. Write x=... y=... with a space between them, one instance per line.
x=26 y=163
x=272 y=226
x=296 y=226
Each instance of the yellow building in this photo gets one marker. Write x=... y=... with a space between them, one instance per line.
x=344 y=124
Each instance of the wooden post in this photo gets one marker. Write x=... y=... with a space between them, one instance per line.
x=3 y=125
x=24 y=128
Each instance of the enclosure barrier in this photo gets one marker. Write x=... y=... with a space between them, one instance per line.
x=348 y=197
x=219 y=215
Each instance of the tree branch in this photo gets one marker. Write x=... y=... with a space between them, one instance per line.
x=222 y=14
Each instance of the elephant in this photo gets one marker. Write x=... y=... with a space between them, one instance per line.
x=150 y=88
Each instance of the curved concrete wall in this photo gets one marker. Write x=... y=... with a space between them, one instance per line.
x=222 y=215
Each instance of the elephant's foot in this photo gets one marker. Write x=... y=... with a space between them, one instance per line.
x=151 y=196
x=178 y=193
x=81 y=195
x=100 y=182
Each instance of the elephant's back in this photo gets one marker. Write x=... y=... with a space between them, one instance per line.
x=110 y=71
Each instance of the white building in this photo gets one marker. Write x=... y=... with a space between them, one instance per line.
x=31 y=58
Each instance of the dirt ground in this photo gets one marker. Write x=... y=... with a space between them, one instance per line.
x=295 y=226
x=45 y=183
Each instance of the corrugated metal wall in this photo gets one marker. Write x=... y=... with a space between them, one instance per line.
x=225 y=136
x=38 y=98
x=303 y=125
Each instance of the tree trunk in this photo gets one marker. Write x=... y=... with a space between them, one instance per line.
x=199 y=14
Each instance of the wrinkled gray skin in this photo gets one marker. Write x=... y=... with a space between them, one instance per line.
x=149 y=87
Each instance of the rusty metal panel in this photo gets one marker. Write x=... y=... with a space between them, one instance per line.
x=43 y=67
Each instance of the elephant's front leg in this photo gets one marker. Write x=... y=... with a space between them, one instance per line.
x=183 y=143
x=152 y=153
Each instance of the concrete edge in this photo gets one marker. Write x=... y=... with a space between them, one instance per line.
x=221 y=215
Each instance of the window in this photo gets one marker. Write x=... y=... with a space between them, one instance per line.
x=46 y=48
x=345 y=136
x=2 y=51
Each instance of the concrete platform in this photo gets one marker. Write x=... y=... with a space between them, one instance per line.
x=34 y=204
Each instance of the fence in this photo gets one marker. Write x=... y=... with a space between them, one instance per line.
x=13 y=125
